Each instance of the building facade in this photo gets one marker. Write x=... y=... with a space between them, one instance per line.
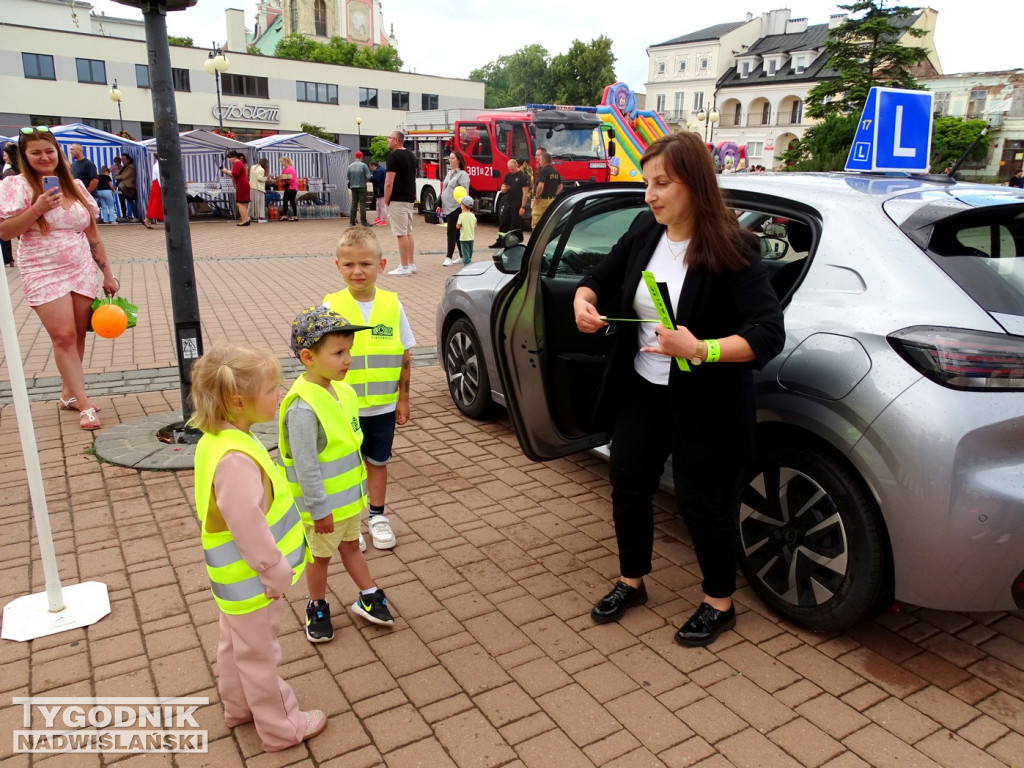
x=64 y=73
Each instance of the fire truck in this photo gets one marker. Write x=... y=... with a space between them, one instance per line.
x=488 y=139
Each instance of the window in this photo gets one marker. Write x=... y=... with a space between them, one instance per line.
x=146 y=131
x=142 y=75
x=698 y=101
x=399 y=99
x=800 y=64
x=473 y=140
x=321 y=93
x=320 y=18
x=704 y=63
x=91 y=71
x=766 y=113
x=755 y=148
x=661 y=67
x=38 y=66
x=941 y=103
x=680 y=103
x=797 y=113
x=744 y=69
x=429 y=101
x=47 y=120
x=180 y=78
x=103 y=125
x=659 y=102
x=244 y=85
x=976 y=103
x=368 y=97
x=772 y=64
x=682 y=65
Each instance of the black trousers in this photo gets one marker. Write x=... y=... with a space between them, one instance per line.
x=289 y=197
x=358 y=204
x=509 y=218
x=649 y=426
x=452 y=220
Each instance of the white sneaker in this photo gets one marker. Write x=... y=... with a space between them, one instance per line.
x=412 y=269
x=447 y=263
x=380 y=531
x=399 y=271
x=362 y=542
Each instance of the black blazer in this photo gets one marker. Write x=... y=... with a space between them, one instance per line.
x=716 y=398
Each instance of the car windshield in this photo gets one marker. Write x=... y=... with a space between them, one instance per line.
x=983 y=251
x=566 y=141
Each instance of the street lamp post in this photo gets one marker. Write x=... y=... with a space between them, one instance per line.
x=359 y=132
x=216 y=63
x=115 y=96
x=709 y=119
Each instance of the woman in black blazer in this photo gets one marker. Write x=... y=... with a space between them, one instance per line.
x=728 y=322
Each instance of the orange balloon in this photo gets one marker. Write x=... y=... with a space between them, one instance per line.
x=109 y=321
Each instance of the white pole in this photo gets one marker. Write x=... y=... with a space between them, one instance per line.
x=54 y=594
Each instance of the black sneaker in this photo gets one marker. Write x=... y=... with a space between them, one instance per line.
x=374 y=608
x=318 y=622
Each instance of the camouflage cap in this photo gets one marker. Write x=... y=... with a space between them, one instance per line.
x=314 y=323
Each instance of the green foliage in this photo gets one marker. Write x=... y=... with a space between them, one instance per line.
x=338 y=51
x=183 y=41
x=951 y=136
x=316 y=130
x=824 y=146
x=379 y=149
x=581 y=75
x=253 y=50
x=865 y=51
x=530 y=75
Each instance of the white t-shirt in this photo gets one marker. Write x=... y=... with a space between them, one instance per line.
x=668 y=266
x=156 y=172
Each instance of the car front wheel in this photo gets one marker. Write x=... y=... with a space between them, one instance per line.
x=466 y=371
x=812 y=542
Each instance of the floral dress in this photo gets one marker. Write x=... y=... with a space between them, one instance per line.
x=58 y=262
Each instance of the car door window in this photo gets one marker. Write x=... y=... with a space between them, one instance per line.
x=589 y=234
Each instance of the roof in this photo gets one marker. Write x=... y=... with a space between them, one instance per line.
x=297 y=142
x=267 y=42
x=708 y=33
x=202 y=141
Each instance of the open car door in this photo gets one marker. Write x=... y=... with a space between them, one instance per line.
x=551 y=373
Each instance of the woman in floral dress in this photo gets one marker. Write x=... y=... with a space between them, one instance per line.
x=59 y=252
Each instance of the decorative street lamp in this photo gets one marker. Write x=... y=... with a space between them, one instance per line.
x=708 y=119
x=359 y=131
x=216 y=63
x=115 y=96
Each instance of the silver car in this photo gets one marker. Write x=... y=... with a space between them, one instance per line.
x=890 y=428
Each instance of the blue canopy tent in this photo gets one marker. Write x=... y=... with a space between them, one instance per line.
x=102 y=147
x=202 y=155
x=313 y=158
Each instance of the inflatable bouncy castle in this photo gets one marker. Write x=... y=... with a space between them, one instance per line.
x=634 y=130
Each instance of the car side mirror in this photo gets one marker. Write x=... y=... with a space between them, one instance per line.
x=509 y=260
x=773 y=248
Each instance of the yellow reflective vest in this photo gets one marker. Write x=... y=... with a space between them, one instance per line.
x=376 y=354
x=236 y=586
x=342 y=471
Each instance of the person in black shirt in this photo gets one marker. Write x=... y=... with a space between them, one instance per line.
x=1016 y=181
x=399 y=196
x=83 y=169
x=549 y=184
x=516 y=186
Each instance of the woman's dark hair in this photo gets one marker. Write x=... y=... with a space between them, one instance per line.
x=718 y=243
x=461 y=158
x=12 y=156
x=68 y=188
x=126 y=159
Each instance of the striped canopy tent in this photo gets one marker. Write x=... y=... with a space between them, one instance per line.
x=312 y=157
x=202 y=154
x=102 y=147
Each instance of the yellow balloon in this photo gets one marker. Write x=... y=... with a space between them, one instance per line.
x=460 y=192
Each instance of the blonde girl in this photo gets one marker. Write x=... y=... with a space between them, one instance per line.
x=252 y=539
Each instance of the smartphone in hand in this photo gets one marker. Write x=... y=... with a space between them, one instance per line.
x=50 y=182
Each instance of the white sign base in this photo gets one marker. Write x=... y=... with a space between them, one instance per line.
x=29 y=617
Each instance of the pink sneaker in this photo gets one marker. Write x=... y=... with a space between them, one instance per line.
x=316 y=721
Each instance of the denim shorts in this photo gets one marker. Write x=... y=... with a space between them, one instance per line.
x=378 y=437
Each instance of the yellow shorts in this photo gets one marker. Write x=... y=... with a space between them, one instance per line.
x=326 y=544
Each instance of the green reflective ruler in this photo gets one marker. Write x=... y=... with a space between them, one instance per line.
x=663 y=314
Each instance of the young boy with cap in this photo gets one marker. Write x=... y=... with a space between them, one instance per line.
x=319 y=443
x=467 y=229
x=381 y=368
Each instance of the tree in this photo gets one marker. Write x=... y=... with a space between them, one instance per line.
x=338 y=51
x=866 y=51
x=183 y=41
x=379 y=149
x=580 y=75
x=516 y=79
x=824 y=147
x=951 y=137
x=316 y=130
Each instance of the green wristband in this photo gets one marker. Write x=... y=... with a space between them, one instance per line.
x=714 y=350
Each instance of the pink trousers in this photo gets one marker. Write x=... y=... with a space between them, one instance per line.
x=248 y=656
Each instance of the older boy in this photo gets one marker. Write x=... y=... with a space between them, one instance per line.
x=319 y=445
x=381 y=368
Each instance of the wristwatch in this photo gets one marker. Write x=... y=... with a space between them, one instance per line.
x=701 y=354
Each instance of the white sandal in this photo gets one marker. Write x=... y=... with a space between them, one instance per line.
x=67 y=405
x=89 y=420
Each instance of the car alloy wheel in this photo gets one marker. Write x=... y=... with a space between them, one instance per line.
x=466 y=371
x=812 y=542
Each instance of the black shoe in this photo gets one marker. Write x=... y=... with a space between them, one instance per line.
x=705 y=625
x=318 y=622
x=374 y=607
x=496 y=244
x=614 y=604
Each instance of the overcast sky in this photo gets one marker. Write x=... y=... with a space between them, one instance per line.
x=451 y=39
